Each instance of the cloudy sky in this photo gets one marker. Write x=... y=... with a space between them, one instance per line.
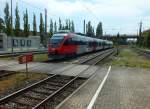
x=116 y=15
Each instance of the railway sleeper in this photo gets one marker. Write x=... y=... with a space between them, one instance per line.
x=32 y=97
x=42 y=92
x=54 y=84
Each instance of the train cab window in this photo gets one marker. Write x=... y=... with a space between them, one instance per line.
x=55 y=41
x=68 y=42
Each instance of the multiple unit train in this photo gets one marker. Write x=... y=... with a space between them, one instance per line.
x=66 y=44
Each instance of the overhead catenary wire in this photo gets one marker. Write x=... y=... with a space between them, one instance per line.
x=89 y=10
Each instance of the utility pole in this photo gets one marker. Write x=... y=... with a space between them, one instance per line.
x=84 y=26
x=140 y=29
x=45 y=21
x=140 y=33
x=45 y=27
x=12 y=28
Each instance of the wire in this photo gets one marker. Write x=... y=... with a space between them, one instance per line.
x=89 y=10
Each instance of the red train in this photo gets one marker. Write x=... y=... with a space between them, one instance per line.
x=66 y=44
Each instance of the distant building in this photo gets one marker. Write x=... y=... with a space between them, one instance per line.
x=19 y=43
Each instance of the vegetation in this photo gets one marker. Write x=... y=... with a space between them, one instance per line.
x=18 y=79
x=41 y=28
x=146 y=40
x=99 y=30
x=129 y=58
x=8 y=28
x=51 y=28
x=40 y=57
x=89 y=29
x=55 y=27
x=34 y=25
x=17 y=22
x=26 y=24
x=60 y=24
x=2 y=27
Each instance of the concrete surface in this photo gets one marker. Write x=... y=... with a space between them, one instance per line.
x=125 y=88
x=81 y=98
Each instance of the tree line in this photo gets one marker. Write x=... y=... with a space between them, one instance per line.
x=6 y=25
x=90 y=30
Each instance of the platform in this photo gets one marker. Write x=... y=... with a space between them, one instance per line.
x=125 y=88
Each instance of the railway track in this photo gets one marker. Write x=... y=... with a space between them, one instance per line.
x=4 y=73
x=145 y=53
x=95 y=59
x=49 y=92
x=5 y=55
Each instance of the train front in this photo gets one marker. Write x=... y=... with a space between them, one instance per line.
x=54 y=47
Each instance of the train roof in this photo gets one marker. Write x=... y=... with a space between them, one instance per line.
x=84 y=37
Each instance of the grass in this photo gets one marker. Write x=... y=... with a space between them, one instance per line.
x=128 y=57
x=18 y=79
x=40 y=57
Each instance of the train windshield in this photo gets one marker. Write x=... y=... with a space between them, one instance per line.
x=55 y=41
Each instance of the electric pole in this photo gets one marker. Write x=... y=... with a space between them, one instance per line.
x=84 y=27
x=140 y=29
x=45 y=21
x=140 y=33
x=45 y=36
x=12 y=28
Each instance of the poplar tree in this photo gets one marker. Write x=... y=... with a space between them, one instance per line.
x=51 y=28
x=99 y=30
x=41 y=28
x=34 y=25
x=17 y=22
x=67 y=25
x=1 y=25
x=72 y=27
x=89 y=29
x=26 y=24
x=55 y=27
x=7 y=17
x=60 y=24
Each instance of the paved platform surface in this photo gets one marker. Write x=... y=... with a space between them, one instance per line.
x=125 y=88
x=51 y=68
